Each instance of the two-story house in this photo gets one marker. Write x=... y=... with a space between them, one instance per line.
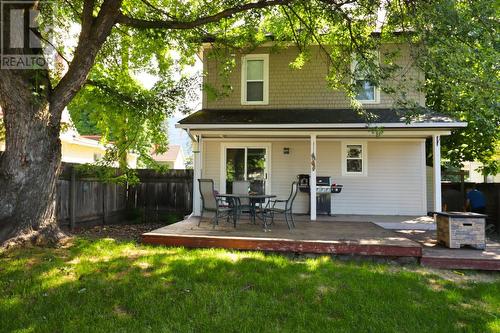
x=278 y=122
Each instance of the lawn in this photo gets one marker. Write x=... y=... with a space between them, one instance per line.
x=111 y=286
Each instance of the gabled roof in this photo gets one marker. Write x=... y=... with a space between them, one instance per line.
x=92 y=137
x=170 y=155
x=314 y=118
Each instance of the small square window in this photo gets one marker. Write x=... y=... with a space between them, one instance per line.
x=366 y=91
x=354 y=151
x=354 y=159
x=355 y=165
x=255 y=70
x=255 y=91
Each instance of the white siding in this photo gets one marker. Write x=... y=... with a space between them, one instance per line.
x=395 y=184
x=179 y=161
x=287 y=167
x=211 y=162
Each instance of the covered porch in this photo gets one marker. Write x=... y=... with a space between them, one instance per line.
x=383 y=171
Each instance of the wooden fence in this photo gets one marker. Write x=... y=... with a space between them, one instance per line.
x=454 y=198
x=159 y=194
x=86 y=200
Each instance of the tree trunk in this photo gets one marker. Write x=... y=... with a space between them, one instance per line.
x=32 y=115
x=29 y=169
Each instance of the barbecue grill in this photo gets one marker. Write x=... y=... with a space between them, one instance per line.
x=324 y=189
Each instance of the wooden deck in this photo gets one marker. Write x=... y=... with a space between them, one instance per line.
x=488 y=259
x=324 y=236
x=346 y=235
x=437 y=256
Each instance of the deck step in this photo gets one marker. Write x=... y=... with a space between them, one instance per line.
x=465 y=258
x=461 y=263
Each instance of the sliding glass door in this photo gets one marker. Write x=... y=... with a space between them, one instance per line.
x=245 y=163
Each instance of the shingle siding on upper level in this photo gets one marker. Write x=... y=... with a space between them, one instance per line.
x=307 y=87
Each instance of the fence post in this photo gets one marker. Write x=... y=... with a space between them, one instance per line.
x=72 y=199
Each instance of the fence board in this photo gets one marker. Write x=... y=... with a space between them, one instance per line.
x=166 y=192
x=96 y=202
x=453 y=196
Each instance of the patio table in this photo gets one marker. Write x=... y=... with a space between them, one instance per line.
x=254 y=200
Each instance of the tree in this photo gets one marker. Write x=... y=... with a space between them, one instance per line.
x=459 y=51
x=115 y=106
x=33 y=100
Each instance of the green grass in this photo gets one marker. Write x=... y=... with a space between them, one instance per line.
x=110 y=286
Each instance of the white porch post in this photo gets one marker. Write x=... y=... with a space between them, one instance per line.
x=197 y=159
x=436 y=153
x=312 y=179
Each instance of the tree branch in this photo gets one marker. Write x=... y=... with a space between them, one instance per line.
x=87 y=18
x=94 y=32
x=73 y=8
x=183 y=25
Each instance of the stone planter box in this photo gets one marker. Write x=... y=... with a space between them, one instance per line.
x=455 y=229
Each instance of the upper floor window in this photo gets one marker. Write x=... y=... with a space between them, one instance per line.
x=354 y=159
x=366 y=91
x=255 y=79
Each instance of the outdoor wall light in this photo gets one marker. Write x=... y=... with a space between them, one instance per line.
x=286 y=151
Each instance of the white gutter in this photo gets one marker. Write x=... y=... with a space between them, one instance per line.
x=188 y=133
x=323 y=125
x=82 y=142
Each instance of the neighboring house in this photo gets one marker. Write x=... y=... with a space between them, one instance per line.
x=277 y=123
x=477 y=177
x=173 y=157
x=80 y=149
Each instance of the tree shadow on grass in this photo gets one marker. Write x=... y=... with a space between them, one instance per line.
x=104 y=286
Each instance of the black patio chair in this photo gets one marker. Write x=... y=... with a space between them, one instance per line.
x=287 y=207
x=211 y=203
x=244 y=205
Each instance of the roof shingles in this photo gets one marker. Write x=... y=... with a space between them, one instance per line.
x=309 y=116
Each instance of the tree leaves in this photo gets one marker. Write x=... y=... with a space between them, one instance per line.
x=454 y=42
x=459 y=54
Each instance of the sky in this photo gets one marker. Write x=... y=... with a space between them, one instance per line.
x=177 y=136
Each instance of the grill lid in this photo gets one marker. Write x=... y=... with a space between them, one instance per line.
x=323 y=181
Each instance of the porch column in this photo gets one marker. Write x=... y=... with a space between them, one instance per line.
x=436 y=154
x=197 y=154
x=312 y=179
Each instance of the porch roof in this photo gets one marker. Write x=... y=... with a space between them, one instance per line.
x=314 y=118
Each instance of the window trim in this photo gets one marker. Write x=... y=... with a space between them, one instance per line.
x=244 y=59
x=364 y=158
x=377 y=88
x=244 y=145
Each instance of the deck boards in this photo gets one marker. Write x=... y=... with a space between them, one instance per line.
x=332 y=237
x=353 y=235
